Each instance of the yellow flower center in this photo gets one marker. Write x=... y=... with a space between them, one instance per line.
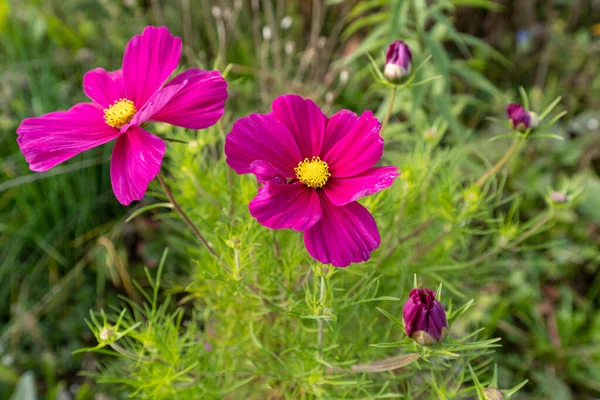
x=313 y=173
x=119 y=113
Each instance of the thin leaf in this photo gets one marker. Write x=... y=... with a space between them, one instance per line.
x=146 y=208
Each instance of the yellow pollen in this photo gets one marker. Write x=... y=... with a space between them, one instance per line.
x=313 y=173
x=119 y=113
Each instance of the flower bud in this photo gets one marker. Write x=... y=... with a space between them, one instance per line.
x=559 y=197
x=493 y=394
x=424 y=317
x=521 y=119
x=398 y=61
x=430 y=134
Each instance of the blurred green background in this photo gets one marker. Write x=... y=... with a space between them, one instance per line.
x=64 y=247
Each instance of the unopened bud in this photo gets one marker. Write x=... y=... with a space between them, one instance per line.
x=424 y=317
x=105 y=334
x=398 y=61
x=521 y=119
x=430 y=134
x=493 y=394
x=559 y=197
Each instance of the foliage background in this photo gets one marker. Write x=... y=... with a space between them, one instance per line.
x=65 y=247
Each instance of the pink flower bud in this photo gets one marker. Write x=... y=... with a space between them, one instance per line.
x=424 y=317
x=559 y=197
x=398 y=61
x=521 y=119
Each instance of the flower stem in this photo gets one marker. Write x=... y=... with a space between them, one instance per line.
x=185 y=217
x=388 y=114
x=320 y=321
x=492 y=171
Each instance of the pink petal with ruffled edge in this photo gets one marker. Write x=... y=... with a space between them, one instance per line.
x=344 y=235
x=261 y=137
x=55 y=137
x=104 y=87
x=345 y=190
x=305 y=121
x=200 y=104
x=337 y=127
x=358 y=150
x=149 y=60
x=135 y=161
x=286 y=206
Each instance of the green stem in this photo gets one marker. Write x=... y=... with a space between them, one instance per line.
x=492 y=171
x=388 y=114
x=320 y=321
x=187 y=220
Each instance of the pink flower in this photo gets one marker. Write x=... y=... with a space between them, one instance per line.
x=314 y=169
x=121 y=102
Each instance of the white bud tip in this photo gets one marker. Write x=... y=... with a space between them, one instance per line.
x=394 y=72
x=534 y=120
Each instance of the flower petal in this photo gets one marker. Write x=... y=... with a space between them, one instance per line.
x=261 y=137
x=344 y=235
x=149 y=60
x=345 y=190
x=265 y=172
x=136 y=160
x=358 y=150
x=292 y=206
x=104 y=87
x=200 y=104
x=55 y=137
x=304 y=119
x=154 y=105
x=337 y=127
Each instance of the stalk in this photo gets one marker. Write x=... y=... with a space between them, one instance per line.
x=187 y=220
x=388 y=114
x=492 y=171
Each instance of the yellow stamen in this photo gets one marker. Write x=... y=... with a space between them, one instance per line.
x=313 y=173
x=119 y=113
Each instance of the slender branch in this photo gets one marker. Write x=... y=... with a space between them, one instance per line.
x=414 y=233
x=320 y=321
x=492 y=171
x=388 y=114
x=185 y=217
x=428 y=248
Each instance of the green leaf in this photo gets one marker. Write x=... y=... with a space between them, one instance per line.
x=549 y=109
x=146 y=208
x=486 y=4
x=391 y=317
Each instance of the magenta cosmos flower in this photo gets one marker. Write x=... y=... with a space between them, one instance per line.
x=121 y=102
x=314 y=169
